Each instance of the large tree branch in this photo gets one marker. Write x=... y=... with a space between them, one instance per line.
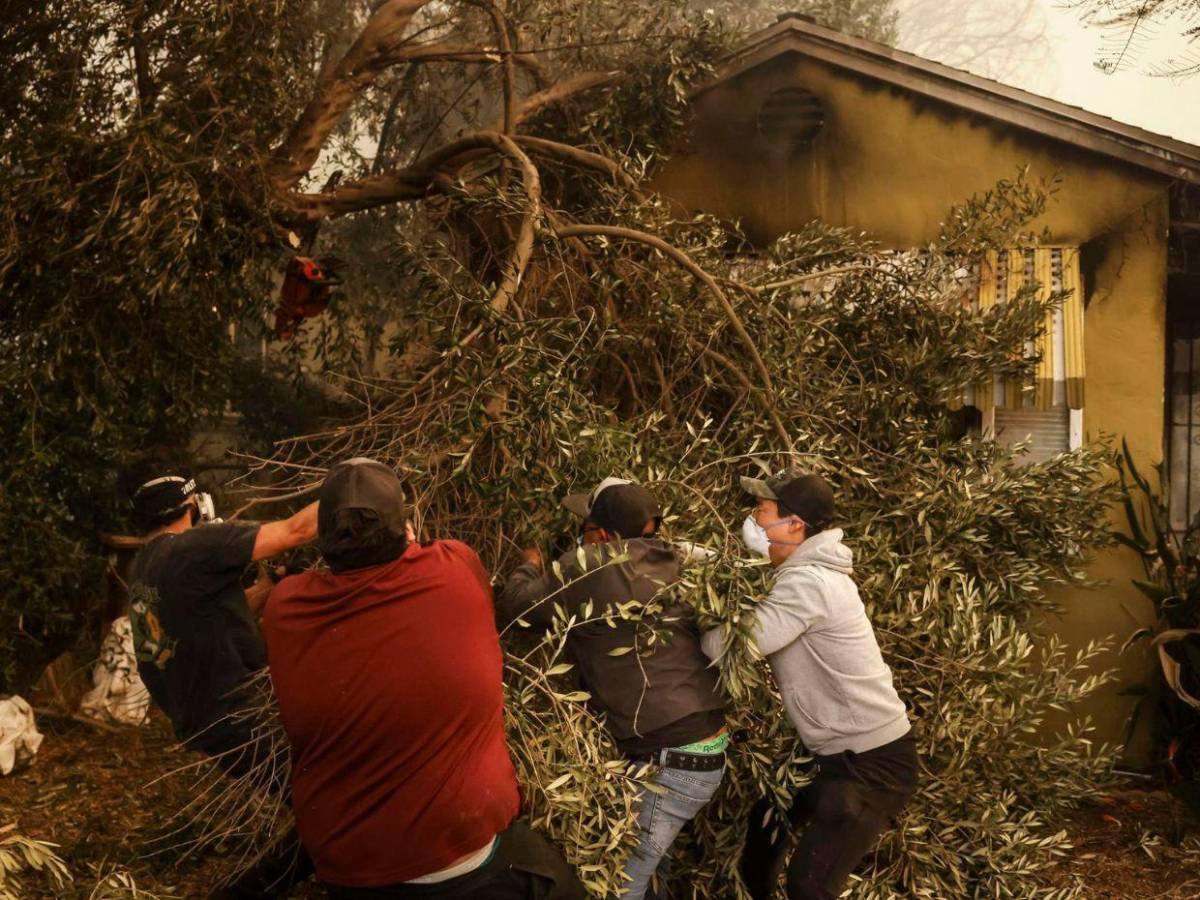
x=580 y=157
x=415 y=182
x=338 y=86
x=687 y=263
x=399 y=186
x=438 y=51
x=577 y=84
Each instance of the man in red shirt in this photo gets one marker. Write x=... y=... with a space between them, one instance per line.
x=388 y=672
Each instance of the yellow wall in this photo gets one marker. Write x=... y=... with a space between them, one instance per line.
x=891 y=163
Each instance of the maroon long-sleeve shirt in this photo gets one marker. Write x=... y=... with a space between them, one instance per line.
x=389 y=686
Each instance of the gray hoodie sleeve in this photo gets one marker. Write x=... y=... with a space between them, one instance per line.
x=713 y=643
x=794 y=605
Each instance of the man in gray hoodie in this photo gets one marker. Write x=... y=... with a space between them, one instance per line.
x=837 y=692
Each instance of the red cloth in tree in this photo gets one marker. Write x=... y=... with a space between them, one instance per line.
x=390 y=690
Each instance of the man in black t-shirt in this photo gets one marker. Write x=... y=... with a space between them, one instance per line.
x=194 y=628
x=197 y=641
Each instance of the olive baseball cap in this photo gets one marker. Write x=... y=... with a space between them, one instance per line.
x=799 y=494
x=617 y=505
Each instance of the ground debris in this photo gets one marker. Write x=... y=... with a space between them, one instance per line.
x=97 y=795
x=93 y=795
x=1138 y=842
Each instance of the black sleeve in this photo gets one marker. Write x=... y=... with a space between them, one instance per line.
x=524 y=596
x=218 y=550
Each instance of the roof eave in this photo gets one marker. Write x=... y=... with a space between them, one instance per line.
x=1165 y=156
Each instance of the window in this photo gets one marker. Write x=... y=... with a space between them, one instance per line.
x=1183 y=409
x=1059 y=377
x=1048 y=413
x=1048 y=431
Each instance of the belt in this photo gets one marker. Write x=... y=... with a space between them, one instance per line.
x=690 y=762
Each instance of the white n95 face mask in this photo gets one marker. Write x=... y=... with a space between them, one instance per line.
x=754 y=536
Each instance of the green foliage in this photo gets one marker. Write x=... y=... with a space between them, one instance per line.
x=132 y=234
x=1172 y=563
x=996 y=217
x=20 y=855
x=1171 y=559
x=643 y=114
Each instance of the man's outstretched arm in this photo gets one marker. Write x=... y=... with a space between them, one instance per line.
x=282 y=535
x=788 y=611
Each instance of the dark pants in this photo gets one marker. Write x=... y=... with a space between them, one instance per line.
x=239 y=753
x=845 y=808
x=525 y=866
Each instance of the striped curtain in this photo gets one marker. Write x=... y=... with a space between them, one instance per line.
x=1058 y=380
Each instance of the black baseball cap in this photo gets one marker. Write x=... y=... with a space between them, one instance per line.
x=362 y=516
x=798 y=494
x=617 y=505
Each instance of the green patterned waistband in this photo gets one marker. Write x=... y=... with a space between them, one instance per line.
x=709 y=747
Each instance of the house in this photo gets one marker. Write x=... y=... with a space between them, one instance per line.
x=805 y=122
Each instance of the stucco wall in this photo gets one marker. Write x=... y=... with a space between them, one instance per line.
x=891 y=163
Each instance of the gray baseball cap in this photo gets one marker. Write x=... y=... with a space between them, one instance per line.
x=581 y=503
x=617 y=505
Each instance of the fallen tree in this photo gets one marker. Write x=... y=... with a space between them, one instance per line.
x=548 y=321
x=554 y=322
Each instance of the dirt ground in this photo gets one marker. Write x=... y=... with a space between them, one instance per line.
x=97 y=794
x=91 y=792
x=1140 y=843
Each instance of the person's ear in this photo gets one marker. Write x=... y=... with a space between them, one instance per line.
x=409 y=533
x=797 y=525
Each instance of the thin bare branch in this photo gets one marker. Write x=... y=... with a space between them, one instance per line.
x=686 y=262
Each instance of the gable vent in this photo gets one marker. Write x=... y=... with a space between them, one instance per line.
x=790 y=118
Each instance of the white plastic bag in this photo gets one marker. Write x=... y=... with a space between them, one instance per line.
x=119 y=694
x=19 y=737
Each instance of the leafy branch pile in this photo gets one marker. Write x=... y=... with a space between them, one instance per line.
x=614 y=356
x=535 y=319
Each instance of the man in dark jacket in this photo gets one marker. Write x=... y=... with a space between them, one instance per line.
x=388 y=672
x=659 y=699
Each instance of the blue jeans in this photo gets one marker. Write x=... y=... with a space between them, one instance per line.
x=661 y=816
